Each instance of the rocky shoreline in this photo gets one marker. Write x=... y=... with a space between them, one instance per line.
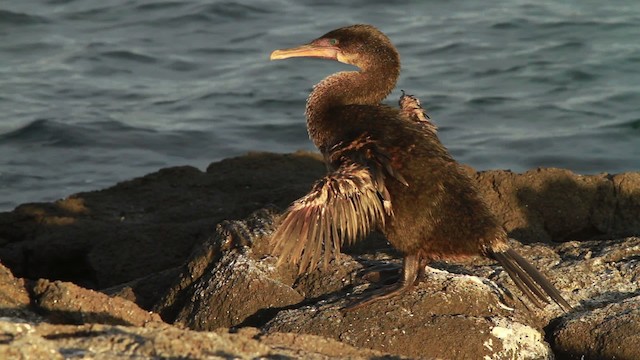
x=176 y=264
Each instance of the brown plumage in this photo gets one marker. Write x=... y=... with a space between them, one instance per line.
x=387 y=171
x=411 y=108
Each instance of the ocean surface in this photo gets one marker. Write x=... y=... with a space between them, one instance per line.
x=95 y=92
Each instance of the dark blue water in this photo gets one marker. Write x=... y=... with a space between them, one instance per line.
x=94 y=92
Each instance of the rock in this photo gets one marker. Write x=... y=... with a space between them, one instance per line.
x=145 y=291
x=26 y=335
x=556 y=204
x=226 y=272
x=300 y=346
x=106 y=342
x=20 y=341
x=610 y=332
x=14 y=299
x=452 y=314
x=599 y=272
x=457 y=317
x=171 y=242
x=158 y=218
x=67 y=303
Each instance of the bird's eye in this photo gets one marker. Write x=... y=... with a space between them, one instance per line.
x=333 y=41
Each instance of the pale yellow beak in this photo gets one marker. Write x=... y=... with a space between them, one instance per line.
x=308 y=50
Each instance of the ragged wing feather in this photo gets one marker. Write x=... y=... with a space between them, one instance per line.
x=342 y=207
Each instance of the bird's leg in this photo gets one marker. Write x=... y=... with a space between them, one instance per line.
x=389 y=273
x=410 y=270
x=422 y=270
x=386 y=273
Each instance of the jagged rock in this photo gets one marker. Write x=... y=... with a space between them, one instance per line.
x=25 y=335
x=599 y=272
x=149 y=240
x=453 y=314
x=224 y=282
x=449 y=318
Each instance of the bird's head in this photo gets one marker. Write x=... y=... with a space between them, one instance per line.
x=360 y=45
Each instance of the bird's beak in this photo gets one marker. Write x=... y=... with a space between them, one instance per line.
x=308 y=50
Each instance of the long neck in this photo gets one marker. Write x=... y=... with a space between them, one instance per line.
x=365 y=87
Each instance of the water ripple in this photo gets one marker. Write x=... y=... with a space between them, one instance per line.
x=94 y=92
x=20 y=19
x=129 y=55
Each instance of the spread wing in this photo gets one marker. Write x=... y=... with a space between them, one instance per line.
x=342 y=207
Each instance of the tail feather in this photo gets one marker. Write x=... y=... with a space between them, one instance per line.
x=529 y=280
x=522 y=281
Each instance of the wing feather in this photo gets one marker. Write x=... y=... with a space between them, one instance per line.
x=410 y=106
x=344 y=206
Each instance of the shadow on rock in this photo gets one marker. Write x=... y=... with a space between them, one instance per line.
x=558 y=205
x=104 y=238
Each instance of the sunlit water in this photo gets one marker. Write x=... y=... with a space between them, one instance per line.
x=95 y=92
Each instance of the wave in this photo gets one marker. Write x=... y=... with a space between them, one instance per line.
x=48 y=132
x=632 y=124
x=17 y=18
x=129 y=55
x=109 y=134
x=233 y=10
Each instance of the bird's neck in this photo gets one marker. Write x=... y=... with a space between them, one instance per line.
x=365 y=87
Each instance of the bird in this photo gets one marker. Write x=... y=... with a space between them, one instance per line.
x=387 y=171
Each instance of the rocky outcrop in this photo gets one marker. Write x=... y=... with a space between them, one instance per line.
x=23 y=340
x=131 y=272
x=608 y=332
x=558 y=205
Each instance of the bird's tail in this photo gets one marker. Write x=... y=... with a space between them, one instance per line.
x=529 y=280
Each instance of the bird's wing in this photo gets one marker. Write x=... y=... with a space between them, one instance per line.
x=410 y=107
x=342 y=207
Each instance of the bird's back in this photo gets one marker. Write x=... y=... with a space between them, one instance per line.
x=439 y=212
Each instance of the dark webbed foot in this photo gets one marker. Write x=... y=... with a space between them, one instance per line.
x=410 y=270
